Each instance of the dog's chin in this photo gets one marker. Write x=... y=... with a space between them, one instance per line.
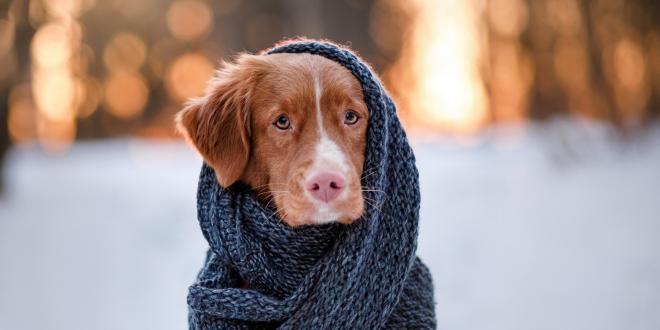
x=322 y=217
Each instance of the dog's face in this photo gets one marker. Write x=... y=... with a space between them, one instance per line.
x=292 y=126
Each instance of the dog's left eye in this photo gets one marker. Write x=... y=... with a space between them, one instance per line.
x=282 y=122
x=350 y=117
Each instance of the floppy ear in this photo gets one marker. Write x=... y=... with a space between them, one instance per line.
x=217 y=124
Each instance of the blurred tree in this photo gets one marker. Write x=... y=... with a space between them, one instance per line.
x=592 y=58
x=131 y=64
x=16 y=59
x=4 y=107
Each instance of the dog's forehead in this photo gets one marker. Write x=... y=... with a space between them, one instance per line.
x=301 y=67
x=291 y=83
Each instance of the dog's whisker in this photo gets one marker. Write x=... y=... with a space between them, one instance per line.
x=369 y=187
x=374 y=190
x=272 y=215
x=269 y=184
x=281 y=214
x=273 y=192
x=368 y=173
x=371 y=202
x=270 y=200
x=373 y=207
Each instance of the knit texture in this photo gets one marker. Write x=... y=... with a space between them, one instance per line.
x=359 y=276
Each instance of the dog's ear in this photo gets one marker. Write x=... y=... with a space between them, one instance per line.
x=217 y=124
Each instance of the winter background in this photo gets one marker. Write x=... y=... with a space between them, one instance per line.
x=534 y=123
x=516 y=236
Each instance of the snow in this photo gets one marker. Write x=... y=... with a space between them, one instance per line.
x=534 y=227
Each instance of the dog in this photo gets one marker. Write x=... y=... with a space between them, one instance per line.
x=292 y=127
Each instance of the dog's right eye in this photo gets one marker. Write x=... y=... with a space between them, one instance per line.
x=282 y=122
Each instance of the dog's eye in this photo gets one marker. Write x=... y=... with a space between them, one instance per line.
x=350 y=117
x=282 y=122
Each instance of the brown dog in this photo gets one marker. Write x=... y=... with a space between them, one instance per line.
x=292 y=127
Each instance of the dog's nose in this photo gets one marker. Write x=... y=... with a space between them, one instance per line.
x=325 y=186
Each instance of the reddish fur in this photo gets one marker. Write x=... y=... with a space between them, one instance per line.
x=232 y=127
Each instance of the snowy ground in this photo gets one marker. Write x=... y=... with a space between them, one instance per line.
x=554 y=228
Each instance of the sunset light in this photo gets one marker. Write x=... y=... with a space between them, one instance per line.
x=440 y=63
x=89 y=68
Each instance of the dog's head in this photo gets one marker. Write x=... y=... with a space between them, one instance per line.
x=291 y=126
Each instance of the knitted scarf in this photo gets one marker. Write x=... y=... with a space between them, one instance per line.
x=359 y=276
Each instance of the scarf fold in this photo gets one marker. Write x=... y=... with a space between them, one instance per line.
x=363 y=275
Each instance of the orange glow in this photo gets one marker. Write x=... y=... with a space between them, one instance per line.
x=7 y=31
x=89 y=93
x=452 y=66
x=21 y=121
x=510 y=69
x=570 y=63
x=54 y=94
x=629 y=64
x=565 y=16
x=508 y=17
x=125 y=51
x=510 y=81
x=51 y=45
x=126 y=94
x=444 y=88
x=63 y=8
x=632 y=93
x=52 y=85
x=189 y=19
x=188 y=75
x=55 y=51
x=21 y=116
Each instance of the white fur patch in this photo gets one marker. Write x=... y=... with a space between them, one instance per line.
x=329 y=157
x=328 y=154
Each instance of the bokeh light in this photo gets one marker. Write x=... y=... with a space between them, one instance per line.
x=54 y=94
x=125 y=51
x=63 y=9
x=437 y=76
x=189 y=19
x=51 y=46
x=89 y=93
x=508 y=17
x=188 y=75
x=125 y=94
x=22 y=115
x=632 y=91
x=55 y=51
x=452 y=66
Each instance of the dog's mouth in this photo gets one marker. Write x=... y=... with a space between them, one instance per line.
x=298 y=209
x=329 y=216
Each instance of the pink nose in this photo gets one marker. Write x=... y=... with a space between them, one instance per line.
x=325 y=186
